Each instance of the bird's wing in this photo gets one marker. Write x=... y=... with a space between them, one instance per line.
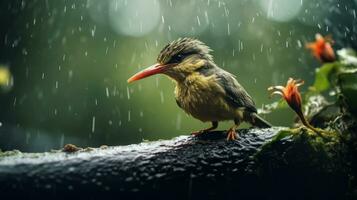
x=235 y=94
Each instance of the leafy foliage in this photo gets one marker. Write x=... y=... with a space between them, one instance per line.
x=339 y=76
x=322 y=82
x=348 y=85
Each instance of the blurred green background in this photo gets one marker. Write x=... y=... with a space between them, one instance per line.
x=68 y=62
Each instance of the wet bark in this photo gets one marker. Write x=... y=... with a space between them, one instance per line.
x=273 y=163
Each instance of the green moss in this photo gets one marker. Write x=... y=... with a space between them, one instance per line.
x=303 y=133
x=305 y=161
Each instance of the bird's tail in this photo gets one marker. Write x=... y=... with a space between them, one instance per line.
x=258 y=121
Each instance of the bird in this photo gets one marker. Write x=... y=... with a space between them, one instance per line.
x=204 y=90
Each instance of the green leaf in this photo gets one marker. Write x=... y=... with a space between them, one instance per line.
x=323 y=73
x=348 y=86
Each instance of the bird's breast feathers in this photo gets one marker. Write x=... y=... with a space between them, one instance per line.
x=203 y=98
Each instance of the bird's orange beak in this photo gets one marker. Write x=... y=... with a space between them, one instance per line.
x=152 y=70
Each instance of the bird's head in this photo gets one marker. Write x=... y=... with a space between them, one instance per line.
x=178 y=59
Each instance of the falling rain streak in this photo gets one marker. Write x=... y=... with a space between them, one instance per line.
x=76 y=71
x=93 y=124
x=128 y=92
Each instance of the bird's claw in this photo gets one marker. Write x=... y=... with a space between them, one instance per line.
x=231 y=134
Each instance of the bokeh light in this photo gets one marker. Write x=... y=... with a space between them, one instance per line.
x=6 y=79
x=281 y=10
x=98 y=10
x=134 y=17
x=183 y=17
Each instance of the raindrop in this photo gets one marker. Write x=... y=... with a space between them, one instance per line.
x=93 y=31
x=62 y=140
x=70 y=74
x=206 y=17
x=128 y=92
x=299 y=43
x=162 y=96
x=198 y=21
x=157 y=82
x=28 y=136
x=93 y=124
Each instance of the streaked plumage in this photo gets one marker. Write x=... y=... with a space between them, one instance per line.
x=204 y=90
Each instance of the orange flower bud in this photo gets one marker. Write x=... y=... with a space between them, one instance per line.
x=290 y=93
x=292 y=96
x=322 y=49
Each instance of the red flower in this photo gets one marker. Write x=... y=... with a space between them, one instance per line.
x=290 y=93
x=292 y=96
x=322 y=49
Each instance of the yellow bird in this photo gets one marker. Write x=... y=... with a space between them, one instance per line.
x=203 y=90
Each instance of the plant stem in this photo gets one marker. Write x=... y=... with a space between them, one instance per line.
x=307 y=124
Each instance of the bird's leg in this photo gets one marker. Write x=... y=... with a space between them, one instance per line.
x=231 y=133
x=214 y=126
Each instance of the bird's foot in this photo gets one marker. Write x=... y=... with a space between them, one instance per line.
x=231 y=134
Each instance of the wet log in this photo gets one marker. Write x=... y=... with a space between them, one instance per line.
x=274 y=163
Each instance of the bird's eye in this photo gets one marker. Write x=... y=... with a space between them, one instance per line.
x=177 y=58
